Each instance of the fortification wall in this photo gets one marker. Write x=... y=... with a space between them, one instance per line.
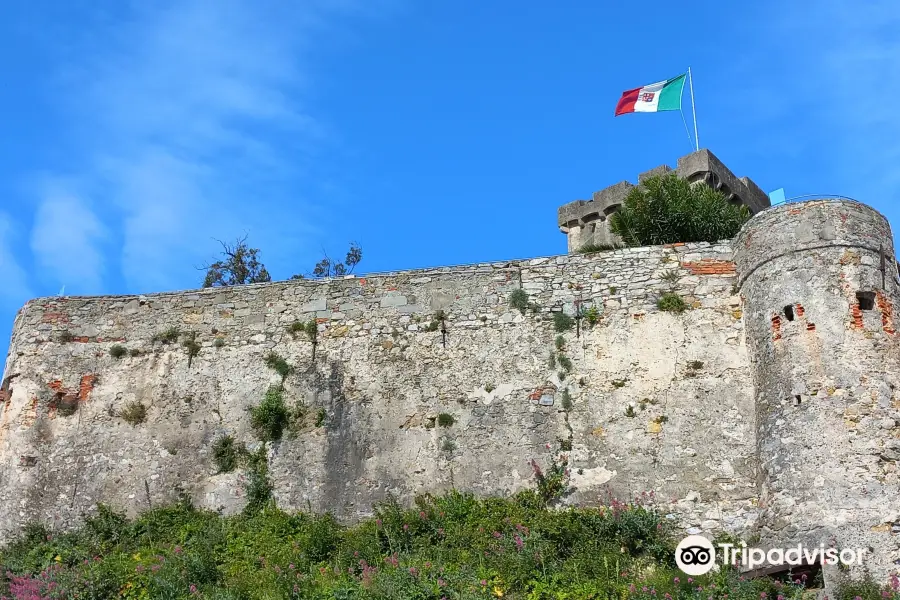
x=820 y=283
x=382 y=377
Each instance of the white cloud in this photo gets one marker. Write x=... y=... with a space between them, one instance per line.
x=65 y=242
x=192 y=119
x=14 y=285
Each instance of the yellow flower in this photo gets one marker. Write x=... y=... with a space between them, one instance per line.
x=498 y=592
x=136 y=556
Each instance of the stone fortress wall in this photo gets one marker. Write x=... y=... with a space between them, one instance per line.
x=382 y=378
x=768 y=409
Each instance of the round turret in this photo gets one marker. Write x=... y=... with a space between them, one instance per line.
x=819 y=281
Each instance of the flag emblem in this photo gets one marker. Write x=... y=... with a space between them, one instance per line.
x=659 y=96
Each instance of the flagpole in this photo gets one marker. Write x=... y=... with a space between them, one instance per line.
x=693 y=109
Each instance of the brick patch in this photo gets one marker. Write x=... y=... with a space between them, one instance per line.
x=799 y=309
x=710 y=266
x=54 y=317
x=776 y=327
x=856 y=318
x=86 y=387
x=887 y=312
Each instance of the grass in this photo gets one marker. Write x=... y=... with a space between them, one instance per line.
x=671 y=302
x=448 y=445
x=270 y=417
x=134 y=413
x=192 y=346
x=618 y=383
x=629 y=411
x=445 y=420
x=695 y=365
x=321 y=415
x=566 y=400
x=552 y=360
x=118 y=351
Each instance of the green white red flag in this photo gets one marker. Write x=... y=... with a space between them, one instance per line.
x=656 y=97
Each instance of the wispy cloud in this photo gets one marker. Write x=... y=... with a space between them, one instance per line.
x=831 y=75
x=65 y=241
x=191 y=119
x=15 y=288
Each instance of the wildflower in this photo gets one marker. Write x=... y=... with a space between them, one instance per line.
x=762 y=596
x=440 y=531
x=441 y=582
x=296 y=589
x=690 y=580
x=193 y=589
x=547 y=446
x=780 y=597
x=498 y=535
x=178 y=550
x=413 y=571
x=405 y=527
x=498 y=592
x=676 y=580
x=291 y=566
x=378 y=522
x=519 y=543
x=484 y=582
x=422 y=515
x=139 y=569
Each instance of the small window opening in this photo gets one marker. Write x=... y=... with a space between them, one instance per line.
x=789 y=312
x=866 y=300
x=797 y=400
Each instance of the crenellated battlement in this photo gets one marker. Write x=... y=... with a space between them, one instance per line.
x=587 y=221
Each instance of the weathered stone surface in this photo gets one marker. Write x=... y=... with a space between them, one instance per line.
x=737 y=414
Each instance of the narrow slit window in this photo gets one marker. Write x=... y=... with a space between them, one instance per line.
x=866 y=300
x=789 y=312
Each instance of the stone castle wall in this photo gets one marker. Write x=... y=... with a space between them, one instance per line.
x=661 y=402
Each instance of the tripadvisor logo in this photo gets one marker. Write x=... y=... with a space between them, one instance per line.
x=696 y=555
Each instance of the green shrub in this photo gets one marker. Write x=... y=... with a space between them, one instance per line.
x=445 y=420
x=278 y=364
x=592 y=314
x=320 y=417
x=670 y=302
x=489 y=387
x=667 y=209
x=192 y=346
x=560 y=342
x=225 y=454
x=270 y=417
x=169 y=336
x=552 y=360
x=518 y=299
x=562 y=322
x=258 y=487
x=448 y=445
x=564 y=362
x=695 y=365
x=118 y=351
x=566 y=400
x=629 y=411
x=134 y=352
x=219 y=342
x=65 y=337
x=134 y=413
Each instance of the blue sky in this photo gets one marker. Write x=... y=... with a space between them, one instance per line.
x=432 y=133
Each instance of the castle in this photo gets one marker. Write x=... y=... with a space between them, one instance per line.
x=768 y=409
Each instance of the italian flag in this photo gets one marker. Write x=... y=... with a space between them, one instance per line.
x=663 y=95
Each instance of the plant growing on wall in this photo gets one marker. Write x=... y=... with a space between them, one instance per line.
x=518 y=299
x=562 y=322
x=192 y=346
x=270 y=417
x=445 y=420
x=118 y=351
x=278 y=364
x=592 y=314
x=169 y=336
x=134 y=413
x=671 y=302
x=259 y=487
x=225 y=453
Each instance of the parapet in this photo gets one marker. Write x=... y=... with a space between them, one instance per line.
x=697 y=166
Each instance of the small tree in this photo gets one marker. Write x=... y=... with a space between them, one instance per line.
x=240 y=265
x=666 y=209
x=331 y=268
